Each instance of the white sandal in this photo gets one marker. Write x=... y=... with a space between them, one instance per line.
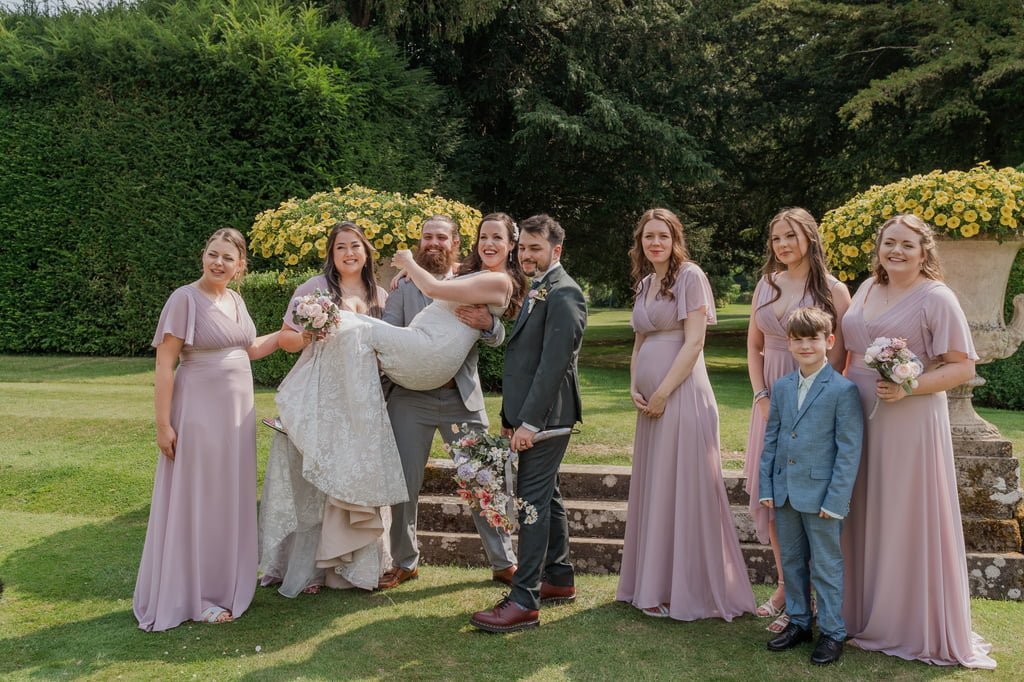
x=779 y=624
x=659 y=611
x=770 y=610
x=213 y=614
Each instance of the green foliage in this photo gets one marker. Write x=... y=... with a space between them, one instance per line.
x=267 y=299
x=1005 y=378
x=491 y=365
x=129 y=134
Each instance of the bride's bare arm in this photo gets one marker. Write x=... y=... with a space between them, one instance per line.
x=486 y=288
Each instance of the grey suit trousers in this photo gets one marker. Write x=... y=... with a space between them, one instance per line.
x=415 y=416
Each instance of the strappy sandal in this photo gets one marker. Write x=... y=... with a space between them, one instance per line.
x=215 y=615
x=659 y=611
x=770 y=610
x=779 y=624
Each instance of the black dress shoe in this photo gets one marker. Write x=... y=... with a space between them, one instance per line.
x=827 y=650
x=789 y=638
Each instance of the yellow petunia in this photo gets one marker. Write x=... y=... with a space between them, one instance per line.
x=305 y=248
x=940 y=219
x=929 y=213
x=970 y=215
x=959 y=206
x=953 y=222
x=292 y=259
x=378 y=244
x=388 y=239
x=970 y=229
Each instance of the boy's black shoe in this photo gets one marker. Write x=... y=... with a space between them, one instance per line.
x=789 y=638
x=827 y=651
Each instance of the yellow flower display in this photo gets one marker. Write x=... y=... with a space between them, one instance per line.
x=955 y=203
x=295 y=233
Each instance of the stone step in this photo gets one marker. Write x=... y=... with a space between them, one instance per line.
x=992 y=575
x=587 y=518
x=578 y=481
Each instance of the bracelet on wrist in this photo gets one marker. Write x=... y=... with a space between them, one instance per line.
x=763 y=393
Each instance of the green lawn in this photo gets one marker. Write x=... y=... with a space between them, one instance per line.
x=76 y=468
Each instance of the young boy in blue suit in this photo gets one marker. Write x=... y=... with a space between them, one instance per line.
x=812 y=448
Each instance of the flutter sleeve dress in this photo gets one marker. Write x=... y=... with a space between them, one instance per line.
x=681 y=547
x=200 y=548
x=777 y=363
x=906 y=569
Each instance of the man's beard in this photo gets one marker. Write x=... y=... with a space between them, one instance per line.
x=435 y=261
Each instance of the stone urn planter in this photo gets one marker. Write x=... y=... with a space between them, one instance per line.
x=977 y=270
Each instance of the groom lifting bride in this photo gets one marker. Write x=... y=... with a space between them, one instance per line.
x=540 y=388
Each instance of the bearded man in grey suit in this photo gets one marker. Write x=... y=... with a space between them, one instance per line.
x=540 y=392
x=416 y=415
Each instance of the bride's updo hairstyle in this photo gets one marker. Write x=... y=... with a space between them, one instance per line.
x=473 y=262
x=930 y=268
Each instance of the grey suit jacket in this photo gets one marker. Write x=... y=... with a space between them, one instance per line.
x=811 y=455
x=405 y=303
x=540 y=384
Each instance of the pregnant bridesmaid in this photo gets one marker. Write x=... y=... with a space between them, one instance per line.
x=199 y=560
x=794 y=276
x=681 y=557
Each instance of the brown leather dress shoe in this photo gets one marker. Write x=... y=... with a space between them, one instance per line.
x=506 y=616
x=395 y=576
x=551 y=595
x=504 y=575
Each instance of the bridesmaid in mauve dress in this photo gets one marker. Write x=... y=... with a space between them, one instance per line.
x=681 y=557
x=199 y=559
x=906 y=570
x=794 y=275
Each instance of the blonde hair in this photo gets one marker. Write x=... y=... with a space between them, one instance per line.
x=235 y=238
x=930 y=268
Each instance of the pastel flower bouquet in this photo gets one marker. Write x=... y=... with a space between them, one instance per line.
x=484 y=473
x=317 y=312
x=895 y=362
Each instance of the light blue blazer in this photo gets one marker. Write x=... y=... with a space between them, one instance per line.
x=811 y=455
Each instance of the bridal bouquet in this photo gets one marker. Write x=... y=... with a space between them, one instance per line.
x=317 y=312
x=483 y=472
x=895 y=362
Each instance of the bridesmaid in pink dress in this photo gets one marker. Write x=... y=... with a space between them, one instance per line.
x=681 y=557
x=906 y=572
x=794 y=276
x=199 y=560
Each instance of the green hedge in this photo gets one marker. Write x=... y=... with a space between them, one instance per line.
x=1004 y=385
x=129 y=134
x=267 y=300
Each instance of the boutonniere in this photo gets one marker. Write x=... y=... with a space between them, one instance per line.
x=538 y=294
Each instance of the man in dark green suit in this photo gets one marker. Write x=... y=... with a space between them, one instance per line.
x=540 y=392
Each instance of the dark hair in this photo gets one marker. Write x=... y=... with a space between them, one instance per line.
x=473 y=262
x=235 y=238
x=817 y=284
x=930 y=268
x=545 y=226
x=678 y=256
x=809 y=322
x=376 y=309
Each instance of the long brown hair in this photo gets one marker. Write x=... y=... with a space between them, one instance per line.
x=376 y=309
x=930 y=268
x=817 y=285
x=676 y=259
x=474 y=263
x=235 y=238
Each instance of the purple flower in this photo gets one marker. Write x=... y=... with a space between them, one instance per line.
x=466 y=471
x=484 y=476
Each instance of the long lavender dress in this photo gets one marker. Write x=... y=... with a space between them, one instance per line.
x=200 y=546
x=906 y=571
x=681 y=547
x=778 y=362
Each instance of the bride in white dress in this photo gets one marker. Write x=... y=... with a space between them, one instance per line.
x=333 y=407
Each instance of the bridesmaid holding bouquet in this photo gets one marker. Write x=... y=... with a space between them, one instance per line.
x=906 y=568
x=199 y=560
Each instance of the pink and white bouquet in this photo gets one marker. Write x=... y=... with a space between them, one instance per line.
x=484 y=473
x=317 y=312
x=895 y=362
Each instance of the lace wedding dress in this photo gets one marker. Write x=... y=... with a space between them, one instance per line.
x=334 y=412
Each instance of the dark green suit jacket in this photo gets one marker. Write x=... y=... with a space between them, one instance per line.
x=540 y=385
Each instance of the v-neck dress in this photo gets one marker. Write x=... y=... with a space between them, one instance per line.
x=777 y=363
x=200 y=548
x=906 y=567
x=681 y=546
